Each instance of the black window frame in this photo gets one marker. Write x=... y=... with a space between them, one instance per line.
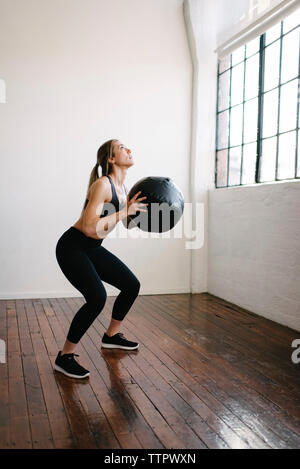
x=261 y=92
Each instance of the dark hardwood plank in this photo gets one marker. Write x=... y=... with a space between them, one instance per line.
x=110 y=403
x=98 y=424
x=59 y=424
x=212 y=439
x=78 y=421
x=134 y=417
x=277 y=333
x=97 y=421
x=174 y=369
x=239 y=368
x=231 y=429
x=169 y=413
x=20 y=432
x=206 y=314
x=208 y=374
x=125 y=375
x=4 y=398
x=230 y=380
x=122 y=378
x=137 y=322
x=38 y=417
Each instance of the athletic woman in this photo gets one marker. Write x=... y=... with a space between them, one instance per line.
x=86 y=263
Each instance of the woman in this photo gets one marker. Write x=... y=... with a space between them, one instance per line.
x=86 y=263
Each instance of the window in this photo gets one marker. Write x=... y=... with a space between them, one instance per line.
x=258 y=101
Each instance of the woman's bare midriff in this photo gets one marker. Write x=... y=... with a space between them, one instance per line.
x=78 y=224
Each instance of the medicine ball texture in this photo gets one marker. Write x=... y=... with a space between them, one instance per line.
x=165 y=204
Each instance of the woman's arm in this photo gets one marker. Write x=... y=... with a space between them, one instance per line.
x=99 y=228
x=127 y=222
x=93 y=226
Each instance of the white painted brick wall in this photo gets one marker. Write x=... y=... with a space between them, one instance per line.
x=254 y=249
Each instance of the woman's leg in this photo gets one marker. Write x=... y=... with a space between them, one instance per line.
x=113 y=327
x=81 y=273
x=113 y=271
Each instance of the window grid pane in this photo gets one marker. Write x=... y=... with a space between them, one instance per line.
x=272 y=56
x=288 y=106
x=268 y=160
x=234 y=170
x=290 y=56
x=279 y=106
x=248 y=163
x=291 y=21
x=250 y=120
x=237 y=84
x=251 y=77
x=286 y=155
x=275 y=133
x=222 y=163
x=273 y=33
x=270 y=113
x=224 y=88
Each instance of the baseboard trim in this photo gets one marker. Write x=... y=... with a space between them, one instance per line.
x=74 y=294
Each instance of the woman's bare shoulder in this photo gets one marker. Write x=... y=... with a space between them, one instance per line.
x=102 y=181
x=101 y=184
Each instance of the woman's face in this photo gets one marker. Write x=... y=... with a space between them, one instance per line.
x=122 y=154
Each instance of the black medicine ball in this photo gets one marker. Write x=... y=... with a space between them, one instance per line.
x=165 y=204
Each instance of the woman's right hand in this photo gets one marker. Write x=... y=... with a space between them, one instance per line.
x=134 y=205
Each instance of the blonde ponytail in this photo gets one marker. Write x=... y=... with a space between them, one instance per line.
x=104 y=152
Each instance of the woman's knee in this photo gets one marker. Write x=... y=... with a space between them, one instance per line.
x=134 y=286
x=97 y=302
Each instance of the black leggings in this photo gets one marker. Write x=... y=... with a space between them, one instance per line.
x=85 y=263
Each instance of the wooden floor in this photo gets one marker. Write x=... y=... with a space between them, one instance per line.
x=207 y=374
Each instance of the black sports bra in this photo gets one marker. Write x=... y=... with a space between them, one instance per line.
x=107 y=207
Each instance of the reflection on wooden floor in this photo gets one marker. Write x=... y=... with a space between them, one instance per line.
x=207 y=374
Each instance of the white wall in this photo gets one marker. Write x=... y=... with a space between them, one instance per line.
x=252 y=232
x=79 y=72
x=201 y=24
x=254 y=249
